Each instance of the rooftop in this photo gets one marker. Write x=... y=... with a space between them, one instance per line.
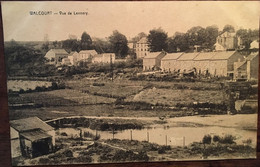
x=205 y=56
x=35 y=135
x=172 y=56
x=152 y=55
x=30 y=123
x=92 y=52
x=188 y=56
x=223 y=55
x=142 y=40
x=59 y=51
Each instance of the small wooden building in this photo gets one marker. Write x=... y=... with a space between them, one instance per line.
x=31 y=137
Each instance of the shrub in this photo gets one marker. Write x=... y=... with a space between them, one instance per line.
x=206 y=139
x=21 y=91
x=228 y=139
x=216 y=138
x=68 y=153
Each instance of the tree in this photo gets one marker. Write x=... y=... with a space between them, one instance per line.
x=71 y=45
x=86 y=41
x=228 y=28
x=157 y=40
x=212 y=34
x=119 y=44
x=247 y=36
x=102 y=46
x=139 y=36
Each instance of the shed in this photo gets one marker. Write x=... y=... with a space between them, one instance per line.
x=31 y=137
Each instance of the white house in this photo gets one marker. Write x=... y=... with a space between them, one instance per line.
x=142 y=48
x=55 y=56
x=104 y=58
x=86 y=55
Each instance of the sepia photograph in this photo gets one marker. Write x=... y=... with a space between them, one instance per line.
x=140 y=81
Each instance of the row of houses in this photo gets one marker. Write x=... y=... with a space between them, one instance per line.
x=224 y=63
x=62 y=57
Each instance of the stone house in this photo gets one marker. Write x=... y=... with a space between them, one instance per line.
x=55 y=56
x=185 y=62
x=202 y=62
x=73 y=58
x=152 y=61
x=31 y=137
x=222 y=63
x=228 y=40
x=247 y=69
x=86 y=55
x=104 y=58
x=142 y=48
x=169 y=62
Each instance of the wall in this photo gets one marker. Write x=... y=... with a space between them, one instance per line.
x=15 y=143
x=52 y=133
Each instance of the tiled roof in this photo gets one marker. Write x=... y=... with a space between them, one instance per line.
x=172 y=56
x=35 y=135
x=92 y=52
x=142 y=40
x=223 y=55
x=59 y=51
x=188 y=56
x=152 y=55
x=30 y=124
x=205 y=56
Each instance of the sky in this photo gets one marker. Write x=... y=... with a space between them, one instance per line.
x=129 y=18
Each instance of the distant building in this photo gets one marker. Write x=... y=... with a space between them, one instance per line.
x=86 y=55
x=104 y=58
x=247 y=69
x=202 y=62
x=227 y=40
x=152 y=61
x=31 y=137
x=254 y=45
x=142 y=48
x=66 y=61
x=186 y=62
x=222 y=63
x=55 y=56
x=73 y=57
x=169 y=62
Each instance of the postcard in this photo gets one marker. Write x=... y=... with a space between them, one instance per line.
x=112 y=82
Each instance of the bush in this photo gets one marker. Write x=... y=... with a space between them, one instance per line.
x=216 y=138
x=228 y=139
x=206 y=139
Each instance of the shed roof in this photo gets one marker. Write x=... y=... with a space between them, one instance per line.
x=252 y=56
x=59 y=51
x=35 y=135
x=152 y=55
x=205 y=56
x=92 y=52
x=188 y=56
x=30 y=123
x=172 y=56
x=223 y=55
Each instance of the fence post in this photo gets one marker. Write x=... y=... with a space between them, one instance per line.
x=131 y=134
x=166 y=140
x=183 y=141
x=148 y=136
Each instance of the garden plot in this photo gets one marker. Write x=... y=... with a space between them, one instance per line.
x=78 y=97
x=173 y=97
x=17 y=85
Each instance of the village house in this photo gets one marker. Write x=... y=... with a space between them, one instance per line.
x=185 y=62
x=73 y=58
x=247 y=69
x=153 y=61
x=227 y=40
x=169 y=62
x=222 y=63
x=142 y=48
x=55 y=56
x=31 y=137
x=254 y=45
x=202 y=62
x=86 y=56
x=104 y=58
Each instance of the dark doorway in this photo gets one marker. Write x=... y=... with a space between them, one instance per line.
x=41 y=147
